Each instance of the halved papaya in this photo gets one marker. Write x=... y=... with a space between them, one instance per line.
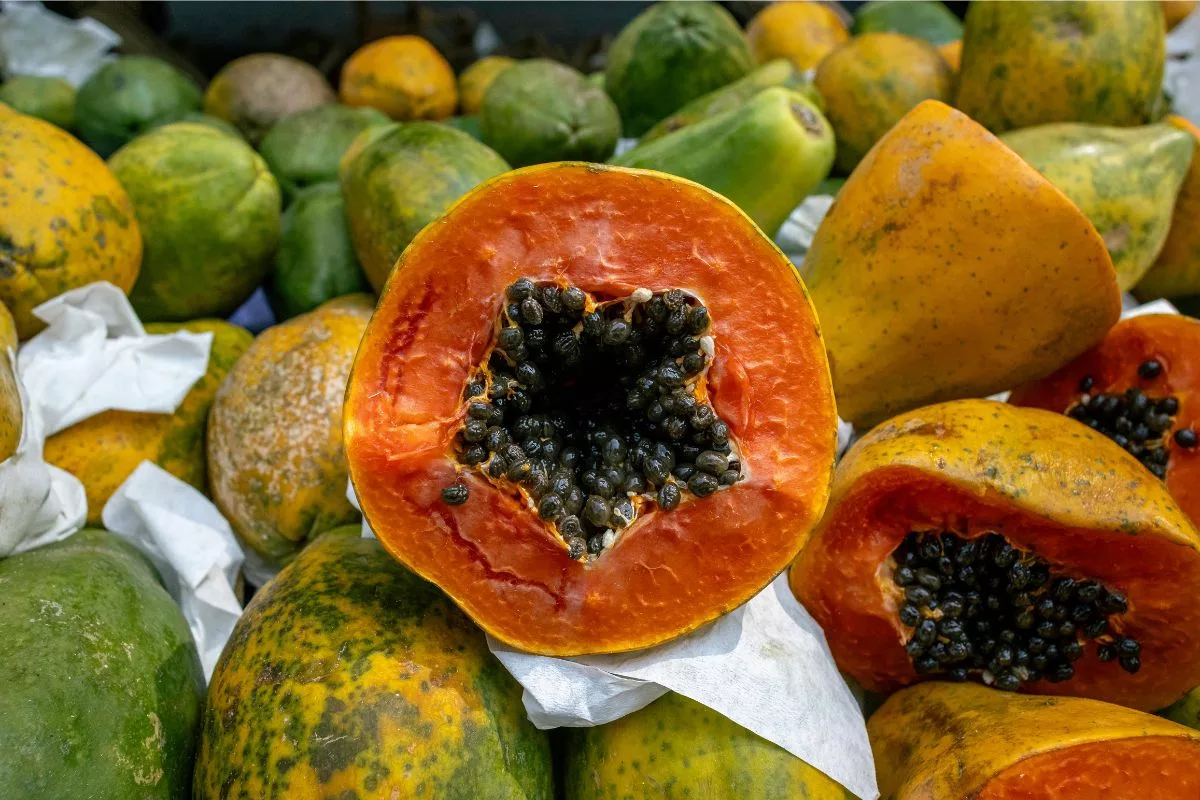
x=1139 y=386
x=979 y=540
x=593 y=406
x=954 y=742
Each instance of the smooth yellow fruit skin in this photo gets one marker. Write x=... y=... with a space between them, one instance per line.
x=802 y=32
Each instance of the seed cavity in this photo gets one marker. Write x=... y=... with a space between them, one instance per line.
x=1134 y=420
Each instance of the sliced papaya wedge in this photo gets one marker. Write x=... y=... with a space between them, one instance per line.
x=976 y=540
x=594 y=407
x=964 y=742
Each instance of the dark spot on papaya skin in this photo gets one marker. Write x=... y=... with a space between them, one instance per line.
x=807 y=119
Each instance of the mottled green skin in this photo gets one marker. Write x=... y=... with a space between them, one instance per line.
x=676 y=748
x=1186 y=711
x=304 y=149
x=921 y=19
x=669 y=55
x=348 y=677
x=208 y=208
x=130 y=96
x=399 y=178
x=51 y=99
x=766 y=156
x=468 y=124
x=200 y=118
x=316 y=260
x=539 y=110
x=101 y=684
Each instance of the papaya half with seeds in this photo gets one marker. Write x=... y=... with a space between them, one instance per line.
x=941 y=741
x=948 y=267
x=348 y=676
x=581 y=433
x=980 y=540
x=1176 y=273
x=1139 y=386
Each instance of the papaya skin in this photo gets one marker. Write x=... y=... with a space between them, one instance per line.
x=256 y=91
x=405 y=77
x=951 y=52
x=587 y=224
x=802 y=32
x=948 y=267
x=1033 y=63
x=66 y=220
x=1185 y=711
x=943 y=741
x=1176 y=272
x=102 y=451
x=1046 y=483
x=475 y=80
x=11 y=415
x=1176 y=11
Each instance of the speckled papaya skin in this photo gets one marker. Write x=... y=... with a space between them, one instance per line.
x=678 y=748
x=948 y=267
x=1033 y=63
x=276 y=466
x=349 y=677
x=405 y=77
x=1176 y=273
x=1124 y=179
x=943 y=741
x=65 y=221
x=102 y=685
x=256 y=91
x=1049 y=485
x=102 y=451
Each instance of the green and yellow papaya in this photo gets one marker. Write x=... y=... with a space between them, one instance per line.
x=1176 y=273
x=130 y=96
x=921 y=19
x=51 y=99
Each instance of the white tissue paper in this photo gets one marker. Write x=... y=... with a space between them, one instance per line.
x=95 y=356
x=624 y=145
x=1182 y=75
x=192 y=545
x=1133 y=309
x=34 y=41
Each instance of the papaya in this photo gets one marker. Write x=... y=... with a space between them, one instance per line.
x=951 y=53
x=468 y=125
x=51 y=99
x=1176 y=272
x=67 y=221
x=398 y=179
x=475 y=80
x=8 y=329
x=1125 y=180
x=802 y=32
x=348 y=676
x=585 y=419
x=130 y=96
x=11 y=415
x=276 y=464
x=316 y=260
x=640 y=755
x=960 y=742
x=779 y=72
x=102 y=683
x=1033 y=63
x=1185 y=711
x=920 y=19
x=200 y=118
x=1137 y=387
x=256 y=91
x=540 y=110
x=872 y=81
x=765 y=156
x=102 y=451
x=669 y=55
x=981 y=540
x=208 y=209
x=1176 y=11
x=304 y=149
x=405 y=77
x=948 y=267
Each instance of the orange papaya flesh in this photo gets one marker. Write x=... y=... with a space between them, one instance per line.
x=1065 y=498
x=609 y=231
x=1160 y=430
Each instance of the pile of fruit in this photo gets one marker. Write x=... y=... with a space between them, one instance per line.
x=588 y=406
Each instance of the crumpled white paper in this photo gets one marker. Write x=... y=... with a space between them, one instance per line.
x=95 y=356
x=34 y=41
x=1182 y=74
x=192 y=546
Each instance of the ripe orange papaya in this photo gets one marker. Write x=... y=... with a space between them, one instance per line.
x=956 y=742
x=405 y=77
x=801 y=32
x=610 y=423
x=980 y=540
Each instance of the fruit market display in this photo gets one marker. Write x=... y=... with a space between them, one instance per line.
x=528 y=313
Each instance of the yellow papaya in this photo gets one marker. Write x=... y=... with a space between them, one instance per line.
x=801 y=32
x=405 y=77
x=951 y=52
x=1176 y=11
x=474 y=81
x=1124 y=179
x=948 y=267
x=1033 y=63
x=10 y=399
x=1176 y=273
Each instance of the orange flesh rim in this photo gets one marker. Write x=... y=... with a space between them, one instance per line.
x=609 y=232
x=845 y=581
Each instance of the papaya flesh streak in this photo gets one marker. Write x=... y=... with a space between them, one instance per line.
x=596 y=409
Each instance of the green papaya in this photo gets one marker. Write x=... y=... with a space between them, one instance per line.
x=1185 y=711
x=921 y=19
x=316 y=260
x=766 y=156
x=539 y=110
x=669 y=55
x=200 y=118
x=303 y=149
x=130 y=96
x=469 y=125
x=51 y=99
x=779 y=72
x=1124 y=179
